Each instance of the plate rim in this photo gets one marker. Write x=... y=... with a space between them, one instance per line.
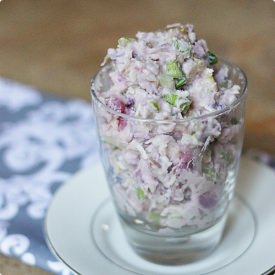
x=72 y=180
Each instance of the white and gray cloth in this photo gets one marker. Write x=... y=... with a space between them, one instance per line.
x=44 y=140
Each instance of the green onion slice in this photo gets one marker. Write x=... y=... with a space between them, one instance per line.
x=123 y=41
x=155 y=104
x=180 y=82
x=140 y=193
x=174 y=70
x=185 y=106
x=212 y=58
x=171 y=98
x=154 y=216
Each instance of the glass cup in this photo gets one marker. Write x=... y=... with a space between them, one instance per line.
x=171 y=180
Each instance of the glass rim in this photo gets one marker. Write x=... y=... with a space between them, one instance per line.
x=176 y=120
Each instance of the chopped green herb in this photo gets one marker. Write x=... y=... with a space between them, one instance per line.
x=185 y=106
x=154 y=216
x=212 y=58
x=180 y=82
x=224 y=84
x=171 y=98
x=123 y=41
x=174 y=70
x=208 y=171
x=140 y=193
x=183 y=47
x=167 y=81
x=176 y=44
x=226 y=156
x=234 y=121
x=155 y=104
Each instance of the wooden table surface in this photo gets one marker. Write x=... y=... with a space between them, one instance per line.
x=57 y=45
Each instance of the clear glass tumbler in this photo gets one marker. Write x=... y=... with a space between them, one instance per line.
x=171 y=180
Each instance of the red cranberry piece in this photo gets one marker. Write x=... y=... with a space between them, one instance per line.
x=186 y=161
x=115 y=104
x=208 y=199
x=121 y=123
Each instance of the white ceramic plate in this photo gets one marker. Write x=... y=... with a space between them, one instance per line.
x=83 y=231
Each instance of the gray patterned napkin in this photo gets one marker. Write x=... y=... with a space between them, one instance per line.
x=44 y=140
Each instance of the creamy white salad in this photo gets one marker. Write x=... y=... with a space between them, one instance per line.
x=169 y=165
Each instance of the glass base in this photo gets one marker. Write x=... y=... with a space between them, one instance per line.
x=110 y=240
x=174 y=250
